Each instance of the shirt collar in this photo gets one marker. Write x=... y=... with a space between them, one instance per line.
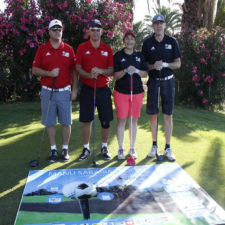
x=91 y=46
x=156 y=40
x=61 y=46
x=124 y=53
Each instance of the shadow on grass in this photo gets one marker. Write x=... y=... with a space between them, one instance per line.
x=210 y=179
x=186 y=121
x=15 y=156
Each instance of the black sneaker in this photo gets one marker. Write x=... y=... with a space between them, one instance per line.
x=65 y=155
x=85 y=154
x=53 y=155
x=105 y=153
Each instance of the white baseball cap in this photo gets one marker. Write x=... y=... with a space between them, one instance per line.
x=55 y=22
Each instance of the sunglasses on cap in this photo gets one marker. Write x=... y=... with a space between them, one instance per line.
x=56 y=29
x=95 y=29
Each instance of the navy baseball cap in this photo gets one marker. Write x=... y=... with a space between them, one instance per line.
x=158 y=17
x=95 y=23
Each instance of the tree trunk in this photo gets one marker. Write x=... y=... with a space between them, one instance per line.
x=209 y=13
x=198 y=13
x=192 y=16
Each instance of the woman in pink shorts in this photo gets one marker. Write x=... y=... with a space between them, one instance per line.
x=128 y=64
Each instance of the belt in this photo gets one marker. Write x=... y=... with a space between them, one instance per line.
x=165 y=78
x=67 y=88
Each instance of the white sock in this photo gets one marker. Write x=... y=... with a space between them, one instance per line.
x=53 y=147
x=87 y=146
x=104 y=144
x=64 y=146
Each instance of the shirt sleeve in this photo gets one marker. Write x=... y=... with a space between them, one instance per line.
x=116 y=62
x=143 y=62
x=145 y=51
x=37 y=58
x=110 y=58
x=176 y=51
x=73 y=59
x=79 y=56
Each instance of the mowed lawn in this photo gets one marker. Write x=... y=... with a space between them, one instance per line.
x=198 y=142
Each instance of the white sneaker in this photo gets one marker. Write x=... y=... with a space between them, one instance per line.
x=121 y=154
x=153 y=151
x=168 y=153
x=133 y=153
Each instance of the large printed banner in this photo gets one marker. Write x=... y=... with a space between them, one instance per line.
x=138 y=195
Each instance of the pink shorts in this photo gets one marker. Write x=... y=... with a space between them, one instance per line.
x=123 y=104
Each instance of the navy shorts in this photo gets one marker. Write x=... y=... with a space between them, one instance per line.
x=59 y=107
x=164 y=88
x=103 y=104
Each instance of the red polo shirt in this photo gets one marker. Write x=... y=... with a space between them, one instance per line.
x=89 y=57
x=48 y=58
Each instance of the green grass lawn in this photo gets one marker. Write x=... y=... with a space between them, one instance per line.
x=198 y=142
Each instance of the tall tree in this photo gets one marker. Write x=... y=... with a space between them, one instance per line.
x=198 y=13
x=220 y=15
x=172 y=18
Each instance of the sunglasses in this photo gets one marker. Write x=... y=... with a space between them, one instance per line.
x=56 y=29
x=95 y=29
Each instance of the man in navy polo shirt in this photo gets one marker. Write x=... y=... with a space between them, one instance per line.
x=162 y=56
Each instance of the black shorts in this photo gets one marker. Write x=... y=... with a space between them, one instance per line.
x=167 y=93
x=103 y=104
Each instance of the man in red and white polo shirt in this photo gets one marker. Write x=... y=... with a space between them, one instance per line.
x=94 y=63
x=54 y=62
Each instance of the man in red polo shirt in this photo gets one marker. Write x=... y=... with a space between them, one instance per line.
x=54 y=62
x=94 y=63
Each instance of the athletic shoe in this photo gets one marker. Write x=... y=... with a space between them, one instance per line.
x=105 y=153
x=133 y=153
x=53 y=155
x=121 y=154
x=85 y=154
x=153 y=151
x=65 y=155
x=168 y=153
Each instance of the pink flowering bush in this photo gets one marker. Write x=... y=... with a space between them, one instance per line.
x=201 y=80
x=24 y=26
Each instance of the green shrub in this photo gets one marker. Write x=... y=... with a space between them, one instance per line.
x=201 y=79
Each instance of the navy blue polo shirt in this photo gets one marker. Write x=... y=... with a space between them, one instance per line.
x=121 y=62
x=167 y=50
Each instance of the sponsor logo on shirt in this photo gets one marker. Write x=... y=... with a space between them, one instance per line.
x=48 y=53
x=104 y=53
x=87 y=52
x=123 y=60
x=66 y=54
x=168 y=46
x=153 y=48
x=138 y=59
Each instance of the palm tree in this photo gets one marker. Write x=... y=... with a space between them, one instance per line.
x=198 y=13
x=220 y=15
x=172 y=18
x=139 y=29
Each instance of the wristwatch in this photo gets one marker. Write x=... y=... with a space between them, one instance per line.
x=164 y=64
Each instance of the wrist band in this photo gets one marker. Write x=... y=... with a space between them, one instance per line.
x=164 y=64
x=137 y=71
